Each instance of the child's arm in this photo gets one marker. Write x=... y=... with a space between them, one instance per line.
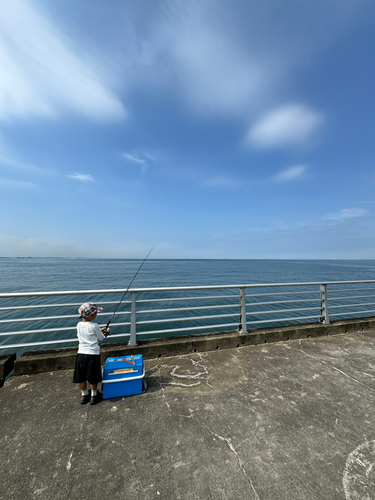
x=98 y=332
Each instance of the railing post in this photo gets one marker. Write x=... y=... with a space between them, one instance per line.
x=133 y=324
x=324 y=316
x=242 y=327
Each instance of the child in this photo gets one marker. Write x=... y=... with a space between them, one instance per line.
x=88 y=357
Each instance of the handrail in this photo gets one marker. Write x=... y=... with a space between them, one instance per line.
x=175 y=310
x=179 y=288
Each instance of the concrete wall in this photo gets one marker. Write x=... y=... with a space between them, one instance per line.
x=6 y=366
x=64 y=359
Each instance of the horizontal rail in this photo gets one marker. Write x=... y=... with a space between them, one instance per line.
x=331 y=299
x=32 y=344
x=353 y=305
x=191 y=329
x=176 y=299
x=282 y=320
x=192 y=318
x=177 y=288
x=178 y=310
x=44 y=330
x=280 y=302
x=275 y=294
x=46 y=306
x=45 y=318
x=49 y=330
x=353 y=290
x=260 y=313
x=351 y=314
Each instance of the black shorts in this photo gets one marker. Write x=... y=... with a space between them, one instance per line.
x=87 y=368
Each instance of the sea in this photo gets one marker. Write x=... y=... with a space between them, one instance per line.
x=52 y=274
x=68 y=274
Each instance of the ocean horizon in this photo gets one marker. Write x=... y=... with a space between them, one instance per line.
x=78 y=273
x=46 y=274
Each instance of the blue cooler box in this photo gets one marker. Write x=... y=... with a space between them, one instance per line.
x=123 y=376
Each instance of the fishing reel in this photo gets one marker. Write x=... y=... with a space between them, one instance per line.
x=108 y=332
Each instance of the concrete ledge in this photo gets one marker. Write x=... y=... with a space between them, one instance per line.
x=6 y=366
x=64 y=358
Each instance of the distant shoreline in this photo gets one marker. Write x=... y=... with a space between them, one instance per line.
x=188 y=258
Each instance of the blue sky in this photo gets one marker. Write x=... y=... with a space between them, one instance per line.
x=211 y=129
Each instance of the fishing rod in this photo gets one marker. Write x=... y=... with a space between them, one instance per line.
x=122 y=298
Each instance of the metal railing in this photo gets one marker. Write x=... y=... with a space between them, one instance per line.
x=41 y=319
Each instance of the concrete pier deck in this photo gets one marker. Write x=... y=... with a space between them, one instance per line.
x=287 y=420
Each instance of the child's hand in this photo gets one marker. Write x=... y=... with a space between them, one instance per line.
x=105 y=331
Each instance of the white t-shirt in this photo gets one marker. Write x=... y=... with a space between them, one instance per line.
x=89 y=334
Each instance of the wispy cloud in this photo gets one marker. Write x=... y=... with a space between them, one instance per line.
x=187 y=49
x=15 y=184
x=134 y=159
x=42 y=73
x=225 y=57
x=287 y=126
x=149 y=156
x=291 y=173
x=9 y=163
x=81 y=177
x=215 y=74
x=347 y=213
x=137 y=159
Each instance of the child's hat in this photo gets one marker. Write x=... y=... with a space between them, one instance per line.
x=88 y=308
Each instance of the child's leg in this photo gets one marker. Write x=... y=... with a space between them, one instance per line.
x=94 y=376
x=94 y=394
x=85 y=393
x=80 y=375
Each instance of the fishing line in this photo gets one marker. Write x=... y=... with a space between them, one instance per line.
x=130 y=284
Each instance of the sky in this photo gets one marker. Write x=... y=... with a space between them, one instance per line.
x=210 y=129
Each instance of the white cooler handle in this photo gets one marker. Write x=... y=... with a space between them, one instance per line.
x=124 y=379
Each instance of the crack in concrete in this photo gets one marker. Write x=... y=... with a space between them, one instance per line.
x=58 y=453
x=233 y=449
x=335 y=368
x=226 y=440
x=230 y=446
x=162 y=386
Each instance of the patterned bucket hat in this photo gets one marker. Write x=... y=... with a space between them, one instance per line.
x=88 y=308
